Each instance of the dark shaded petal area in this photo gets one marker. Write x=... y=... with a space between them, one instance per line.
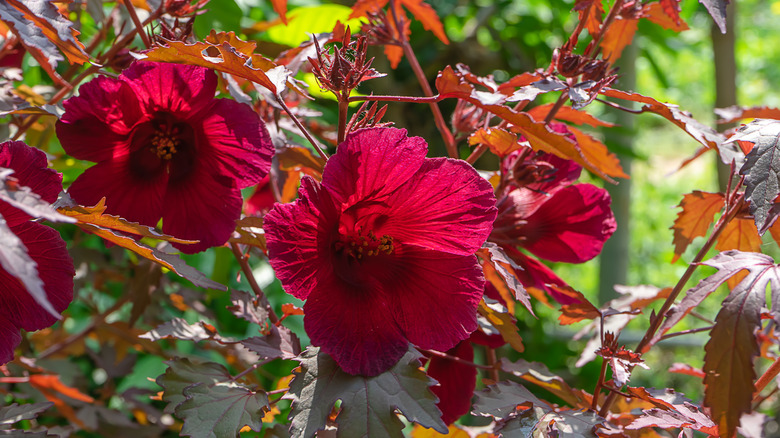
x=456 y=382
x=355 y=326
x=29 y=165
x=18 y=310
x=536 y=274
x=97 y=123
x=572 y=226
x=299 y=237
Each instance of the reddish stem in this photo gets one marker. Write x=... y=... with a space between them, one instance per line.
x=139 y=27
x=767 y=377
x=243 y=260
x=455 y=359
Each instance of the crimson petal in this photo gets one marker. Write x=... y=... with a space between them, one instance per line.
x=29 y=165
x=456 y=382
x=445 y=206
x=298 y=236
x=572 y=226
x=354 y=174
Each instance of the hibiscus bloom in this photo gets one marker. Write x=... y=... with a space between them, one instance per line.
x=18 y=309
x=544 y=213
x=165 y=148
x=383 y=249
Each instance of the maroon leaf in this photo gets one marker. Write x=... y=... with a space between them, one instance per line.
x=538 y=374
x=500 y=260
x=26 y=200
x=248 y=307
x=736 y=113
x=761 y=169
x=717 y=9
x=502 y=399
x=281 y=342
x=178 y=328
x=672 y=411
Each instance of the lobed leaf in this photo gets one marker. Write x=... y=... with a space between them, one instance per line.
x=618 y=36
x=698 y=212
x=183 y=373
x=736 y=113
x=221 y=409
x=538 y=374
x=223 y=52
x=248 y=307
x=505 y=267
x=28 y=201
x=368 y=404
x=14 y=413
x=502 y=399
x=591 y=12
x=568 y=114
x=500 y=141
x=281 y=342
x=178 y=328
x=717 y=10
x=665 y=14
x=761 y=169
x=500 y=318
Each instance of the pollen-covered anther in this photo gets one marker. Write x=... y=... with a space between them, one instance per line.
x=361 y=246
x=164 y=145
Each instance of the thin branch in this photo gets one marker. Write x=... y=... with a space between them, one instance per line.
x=438 y=117
x=374 y=98
x=300 y=126
x=455 y=359
x=599 y=384
x=621 y=108
x=767 y=377
x=139 y=27
x=250 y=277
x=685 y=332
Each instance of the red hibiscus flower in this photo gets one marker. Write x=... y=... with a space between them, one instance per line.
x=383 y=249
x=457 y=380
x=542 y=212
x=165 y=148
x=18 y=309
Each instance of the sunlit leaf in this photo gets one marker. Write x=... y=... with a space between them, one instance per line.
x=14 y=413
x=761 y=169
x=500 y=318
x=367 y=403
x=500 y=141
x=618 y=36
x=672 y=411
x=698 y=212
x=717 y=10
x=538 y=374
x=568 y=114
x=665 y=14
x=178 y=328
x=281 y=342
x=592 y=13
x=736 y=113
x=502 y=399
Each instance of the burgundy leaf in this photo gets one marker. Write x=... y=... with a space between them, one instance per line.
x=761 y=169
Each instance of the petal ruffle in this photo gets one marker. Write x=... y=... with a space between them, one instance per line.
x=299 y=236
x=203 y=207
x=98 y=122
x=135 y=199
x=55 y=268
x=572 y=226
x=30 y=169
x=445 y=206
x=182 y=90
x=456 y=382
x=234 y=140
x=434 y=295
x=356 y=327
x=371 y=163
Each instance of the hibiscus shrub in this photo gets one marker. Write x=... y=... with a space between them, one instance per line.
x=400 y=273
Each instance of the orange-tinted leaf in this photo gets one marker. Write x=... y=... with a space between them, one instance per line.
x=95 y=216
x=672 y=10
x=363 y=7
x=568 y=114
x=509 y=286
x=571 y=313
x=504 y=322
x=597 y=153
x=657 y=13
x=617 y=37
x=299 y=158
x=291 y=309
x=592 y=13
x=698 y=211
x=684 y=368
x=736 y=113
x=740 y=234
x=427 y=16
x=226 y=53
x=699 y=131
x=290 y=187
x=170 y=261
x=500 y=141
x=250 y=232
x=538 y=374
x=47 y=21
x=451 y=84
x=455 y=431
x=280 y=7
x=672 y=411
x=51 y=387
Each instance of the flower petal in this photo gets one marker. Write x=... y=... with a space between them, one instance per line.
x=445 y=206
x=354 y=326
x=182 y=90
x=9 y=339
x=456 y=382
x=299 y=236
x=97 y=123
x=572 y=226
x=55 y=269
x=237 y=142
x=128 y=196
x=372 y=163
x=203 y=207
x=30 y=170
x=434 y=294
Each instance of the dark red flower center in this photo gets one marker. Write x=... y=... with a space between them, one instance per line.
x=359 y=246
x=163 y=144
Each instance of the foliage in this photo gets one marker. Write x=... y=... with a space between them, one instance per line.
x=400 y=269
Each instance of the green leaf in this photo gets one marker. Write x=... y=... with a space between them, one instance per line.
x=368 y=404
x=183 y=373
x=221 y=410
